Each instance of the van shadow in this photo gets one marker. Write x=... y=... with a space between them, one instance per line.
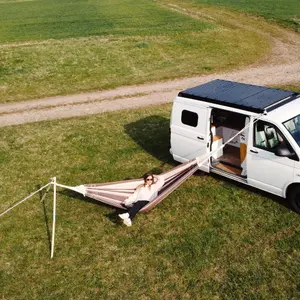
x=152 y=134
x=279 y=200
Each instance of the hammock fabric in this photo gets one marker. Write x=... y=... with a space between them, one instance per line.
x=114 y=193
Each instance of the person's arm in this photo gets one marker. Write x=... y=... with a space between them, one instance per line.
x=159 y=181
x=132 y=198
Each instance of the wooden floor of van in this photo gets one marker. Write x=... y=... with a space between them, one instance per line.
x=230 y=160
x=229 y=169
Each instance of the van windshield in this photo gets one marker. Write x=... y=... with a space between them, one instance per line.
x=293 y=126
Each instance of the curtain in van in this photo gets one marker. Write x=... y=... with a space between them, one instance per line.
x=114 y=193
x=243 y=147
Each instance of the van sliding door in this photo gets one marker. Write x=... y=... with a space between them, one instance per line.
x=190 y=133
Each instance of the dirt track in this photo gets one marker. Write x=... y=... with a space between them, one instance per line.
x=280 y=68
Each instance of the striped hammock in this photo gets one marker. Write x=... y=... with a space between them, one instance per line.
x=114 y=193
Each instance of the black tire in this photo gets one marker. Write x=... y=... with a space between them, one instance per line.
x=294 y=199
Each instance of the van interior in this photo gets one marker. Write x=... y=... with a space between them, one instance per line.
x=224 y=125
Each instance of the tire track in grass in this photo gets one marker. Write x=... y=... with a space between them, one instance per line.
x=131 y=97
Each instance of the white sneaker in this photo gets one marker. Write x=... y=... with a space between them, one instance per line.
x=124 y=216
x=127 y=222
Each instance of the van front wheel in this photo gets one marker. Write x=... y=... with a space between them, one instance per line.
x=294 y=198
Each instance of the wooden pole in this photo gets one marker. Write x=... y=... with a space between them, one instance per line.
x=54 y=216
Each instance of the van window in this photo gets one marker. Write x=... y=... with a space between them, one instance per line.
x=293 y=126
x=189 y=118
x=267 y=136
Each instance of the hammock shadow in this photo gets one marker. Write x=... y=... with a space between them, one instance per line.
x=152 y=134
x=41 y=195
x=112 y=216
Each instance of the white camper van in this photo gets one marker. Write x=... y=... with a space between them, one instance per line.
x=265 y=154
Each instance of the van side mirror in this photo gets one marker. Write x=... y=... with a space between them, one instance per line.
x=283 y=151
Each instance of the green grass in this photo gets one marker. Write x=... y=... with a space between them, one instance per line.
x=282 y=11
x=58 y=19
x=291 y=87
x=210 y=239
x=73 y=47
x=65 y=67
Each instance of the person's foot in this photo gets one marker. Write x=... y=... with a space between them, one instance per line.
x=127 y=222
x=124 y=216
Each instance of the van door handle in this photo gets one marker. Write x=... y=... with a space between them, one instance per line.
x=254 y=151
x=200 y=138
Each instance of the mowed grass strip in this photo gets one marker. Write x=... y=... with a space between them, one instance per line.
x=53 y=19
x=209 y=238
x=284 y=12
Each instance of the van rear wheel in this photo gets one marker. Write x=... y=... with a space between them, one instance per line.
x=294 y=198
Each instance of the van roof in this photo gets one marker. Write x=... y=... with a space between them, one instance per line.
x=248 y=97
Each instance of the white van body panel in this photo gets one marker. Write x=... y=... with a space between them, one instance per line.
x=263 y=170
x=267 y=171
x=188 y=142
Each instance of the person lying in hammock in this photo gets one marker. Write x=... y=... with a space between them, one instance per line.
x=143 y=194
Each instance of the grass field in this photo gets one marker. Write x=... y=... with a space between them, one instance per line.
x=53 y=19
x=210 y=239
x=71 y=47
x=41 y=20
x=285 y=12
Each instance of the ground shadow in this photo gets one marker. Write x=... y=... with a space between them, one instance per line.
x=42 y=195
x=112 y=216
x=281 y=201
x=153 y=135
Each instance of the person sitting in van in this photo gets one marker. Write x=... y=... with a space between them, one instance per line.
x=143 y=194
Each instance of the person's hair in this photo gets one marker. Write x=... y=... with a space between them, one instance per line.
x=146 y=176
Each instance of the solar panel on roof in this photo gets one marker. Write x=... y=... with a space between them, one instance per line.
x=239 y=95
x=268 y=97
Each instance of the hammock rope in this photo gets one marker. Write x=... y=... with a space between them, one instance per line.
x=26 y=198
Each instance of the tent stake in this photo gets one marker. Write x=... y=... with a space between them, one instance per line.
x=54 y=216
